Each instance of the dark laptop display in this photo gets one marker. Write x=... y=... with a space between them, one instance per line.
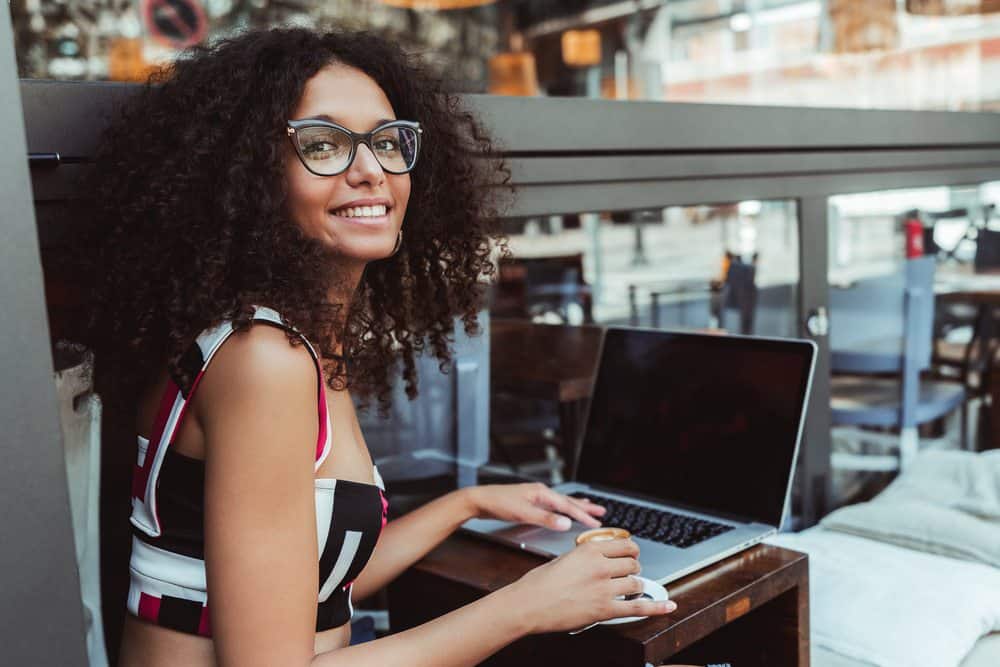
x=703 y=421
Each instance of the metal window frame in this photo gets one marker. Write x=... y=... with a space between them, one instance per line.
x=644 y=155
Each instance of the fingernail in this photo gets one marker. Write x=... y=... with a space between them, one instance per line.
x=669 y=606
x=563 y=523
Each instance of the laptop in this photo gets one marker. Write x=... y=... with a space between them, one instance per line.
x=690 y=443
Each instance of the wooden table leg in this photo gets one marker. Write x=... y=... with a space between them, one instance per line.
x=776 y=633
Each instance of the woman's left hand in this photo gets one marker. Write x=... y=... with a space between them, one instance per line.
x=532 y=503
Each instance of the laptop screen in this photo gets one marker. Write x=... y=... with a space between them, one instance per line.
x=705 y=421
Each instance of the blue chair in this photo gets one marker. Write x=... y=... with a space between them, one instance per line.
x=554 y=286
x=987 y=250
x=883 y=327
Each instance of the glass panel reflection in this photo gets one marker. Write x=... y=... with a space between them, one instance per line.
x=913 y=285
x=732 y=267
x=722 y=267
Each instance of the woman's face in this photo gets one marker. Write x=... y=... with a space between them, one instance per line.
x=318 y=204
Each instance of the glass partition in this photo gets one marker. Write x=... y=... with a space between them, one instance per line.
x=868 y=231
x=878 y=327
x=727 y=266
x=721 y=268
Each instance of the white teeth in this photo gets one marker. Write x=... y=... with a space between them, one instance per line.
x=362 y=211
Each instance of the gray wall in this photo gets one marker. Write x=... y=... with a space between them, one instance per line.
x=41 y=617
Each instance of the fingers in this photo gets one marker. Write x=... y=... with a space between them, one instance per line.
x=621 y=567
x=621 y=608
x=626 y=586
x=571 y=507
x=615 y=548
x=540 y=517
x=588 y=506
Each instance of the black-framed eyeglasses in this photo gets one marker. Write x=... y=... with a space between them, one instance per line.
x=328 y=149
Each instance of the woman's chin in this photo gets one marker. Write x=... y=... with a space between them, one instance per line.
x=365 y=253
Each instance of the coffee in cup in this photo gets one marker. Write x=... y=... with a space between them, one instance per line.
x=602 y=534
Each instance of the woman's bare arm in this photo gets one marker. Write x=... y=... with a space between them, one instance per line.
x=407 y=539
x=257 y=408
x=567 y=593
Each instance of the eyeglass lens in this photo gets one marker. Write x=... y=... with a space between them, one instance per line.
x=327 y=150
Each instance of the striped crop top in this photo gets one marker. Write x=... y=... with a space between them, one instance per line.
x=167 y=566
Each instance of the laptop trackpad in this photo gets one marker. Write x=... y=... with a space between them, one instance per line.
x=542 y=540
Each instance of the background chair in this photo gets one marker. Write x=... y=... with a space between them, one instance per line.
x=881 y=335
x=966 y=333
x=535 y=287
x=555 y=285
x=987 y=250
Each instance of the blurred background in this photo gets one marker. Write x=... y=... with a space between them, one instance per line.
x=891 y=54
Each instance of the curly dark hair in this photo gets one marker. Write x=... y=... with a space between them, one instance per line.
x=191 y=198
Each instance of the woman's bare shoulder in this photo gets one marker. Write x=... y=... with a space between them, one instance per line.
x=255 y=368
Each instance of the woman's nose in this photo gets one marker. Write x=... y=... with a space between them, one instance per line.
x=365 y=168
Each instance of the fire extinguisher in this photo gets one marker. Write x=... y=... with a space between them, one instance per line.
x=914 y=230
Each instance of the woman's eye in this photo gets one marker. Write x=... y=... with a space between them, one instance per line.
x=388 y=145
x=320 y=147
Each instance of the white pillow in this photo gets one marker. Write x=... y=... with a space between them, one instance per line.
x=966 y=481
x=891 y=606
x=921 y=525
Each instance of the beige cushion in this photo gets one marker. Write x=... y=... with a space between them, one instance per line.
x=946 y=502
x=921 y=525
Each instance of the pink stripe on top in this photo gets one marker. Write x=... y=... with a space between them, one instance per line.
x=141 y=475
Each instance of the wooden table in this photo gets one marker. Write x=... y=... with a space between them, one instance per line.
x=547 y=362
x=981 y=289
x=751 y=610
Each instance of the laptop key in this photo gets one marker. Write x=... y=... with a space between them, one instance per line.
x=661 y=526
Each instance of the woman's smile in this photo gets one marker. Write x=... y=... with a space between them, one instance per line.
x=369 y=212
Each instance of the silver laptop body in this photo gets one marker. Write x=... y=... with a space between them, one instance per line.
x=703 y=427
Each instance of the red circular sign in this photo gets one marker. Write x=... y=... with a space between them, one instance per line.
x=176 y=23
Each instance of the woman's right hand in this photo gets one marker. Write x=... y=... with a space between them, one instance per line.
x=579 y=588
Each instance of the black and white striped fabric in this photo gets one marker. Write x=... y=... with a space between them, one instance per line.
x=167 y=567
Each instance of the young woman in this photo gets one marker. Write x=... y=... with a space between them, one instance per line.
x=293 y=217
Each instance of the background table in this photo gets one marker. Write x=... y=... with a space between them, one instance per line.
x=751 y=609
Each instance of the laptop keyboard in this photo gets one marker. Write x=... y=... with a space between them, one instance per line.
x=677 y=530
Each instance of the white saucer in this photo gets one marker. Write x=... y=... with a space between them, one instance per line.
x=650 y=588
